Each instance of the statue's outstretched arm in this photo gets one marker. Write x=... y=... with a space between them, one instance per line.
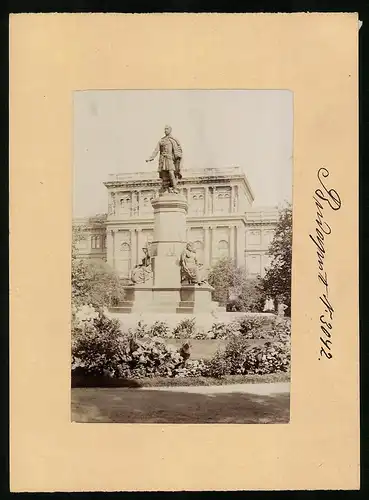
x=154 y=153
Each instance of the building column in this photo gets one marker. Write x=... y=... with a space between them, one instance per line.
x=235 y=199
x=212 y=245
x=133 y=241
x=135 y=203
x=206 y=200
x=210 y=200
x=231 y=242
x=110 y=247
x=232 y=198
x=188 y=191
x=207 y=244
x=139 y=244
x=138 y=202
x=240 y=246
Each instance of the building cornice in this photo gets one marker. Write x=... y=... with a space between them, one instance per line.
x=207 y=176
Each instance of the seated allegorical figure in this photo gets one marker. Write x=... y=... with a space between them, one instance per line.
x=142 y=273
x=191 y=271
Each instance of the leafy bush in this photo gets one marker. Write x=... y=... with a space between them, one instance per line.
x=239 y=358
x=93 y=280
x=252 y=296
x=98 y=345
x=160 y=329
x=257 y=327
x=149 y=358
x=140 y=331
x=186 y=329
x=282 y=329
x=223 y=330
x=193 y=368
x=100 y=348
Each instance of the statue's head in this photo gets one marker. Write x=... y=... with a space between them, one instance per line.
x=190 y=246
x=167 y=129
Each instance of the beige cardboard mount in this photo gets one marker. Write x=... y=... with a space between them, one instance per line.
x=51 y=56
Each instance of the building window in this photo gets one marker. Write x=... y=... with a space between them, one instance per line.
x=254 y=264
x=199 y=247
x=197 y=205
x=124 y=260
x=125 y=204
x=223 y=249
x=95 y=242
x=255 y=237
x=268 y=237
x=125 y=248
x=223 y=201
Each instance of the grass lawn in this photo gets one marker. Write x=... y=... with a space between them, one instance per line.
x=205 y=349
x=201 y=349
x=125 y=405
x=80 y=381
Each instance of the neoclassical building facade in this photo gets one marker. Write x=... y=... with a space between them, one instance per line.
x=221 y=220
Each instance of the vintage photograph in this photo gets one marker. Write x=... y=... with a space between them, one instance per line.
x=181 y=256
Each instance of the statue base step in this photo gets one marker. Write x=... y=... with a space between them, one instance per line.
x=188 y=299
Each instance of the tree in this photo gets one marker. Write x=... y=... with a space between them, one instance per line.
x=252 y=296
x=227 y=279
x=277 y=280
x=93 y=281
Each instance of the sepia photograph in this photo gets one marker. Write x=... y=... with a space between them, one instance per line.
x=194 y=252
x=181 y=256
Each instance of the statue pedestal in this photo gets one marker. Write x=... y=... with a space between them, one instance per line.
x=166 y=294
x=169 y=239
x=197 y=299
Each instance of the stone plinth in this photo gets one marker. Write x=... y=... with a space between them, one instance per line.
x=188 y=299
x=168 y=240
x=197 y=298
x=166 y=294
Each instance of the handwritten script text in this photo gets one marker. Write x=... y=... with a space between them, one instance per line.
x=324 y=198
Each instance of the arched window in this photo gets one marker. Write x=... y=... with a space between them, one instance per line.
x=95 y=242
x=125 y=204
x=223 y=249
x=124 y=260
x=125 y=248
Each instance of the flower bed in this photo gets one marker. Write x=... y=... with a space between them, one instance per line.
x=250 y=327
x=99 y=347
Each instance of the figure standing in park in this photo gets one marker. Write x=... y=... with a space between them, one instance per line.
x=170 y=159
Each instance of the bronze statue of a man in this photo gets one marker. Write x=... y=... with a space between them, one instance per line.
x=170 y=159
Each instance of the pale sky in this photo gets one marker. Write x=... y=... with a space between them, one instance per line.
x=116 y=131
